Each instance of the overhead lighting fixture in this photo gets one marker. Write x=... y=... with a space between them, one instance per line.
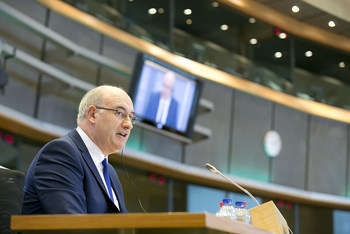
x=295 y=9
x=152 y=11
x=253 y=41
x=278 y=54
x=308 y=53
x=341 y=64
x=215 y=4
x=331 y=24
x=252 y=20
x=282 y=35
x=131 y=0
x=161 y=10
x=187 y=11
x=188 y=21
x=224 y=27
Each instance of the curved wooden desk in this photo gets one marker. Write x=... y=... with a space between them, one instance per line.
x=165 y=223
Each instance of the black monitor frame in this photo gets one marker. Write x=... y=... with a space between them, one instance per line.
x=139 y=64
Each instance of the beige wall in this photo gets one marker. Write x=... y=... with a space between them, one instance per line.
x=339 y=8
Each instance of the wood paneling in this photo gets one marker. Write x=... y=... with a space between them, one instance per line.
x=136 y=221
x=25 y=129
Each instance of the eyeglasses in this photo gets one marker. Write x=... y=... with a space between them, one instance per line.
x=120 y=114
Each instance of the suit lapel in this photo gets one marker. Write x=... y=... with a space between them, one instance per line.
x=87 y=158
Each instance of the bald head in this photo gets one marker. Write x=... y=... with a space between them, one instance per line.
x=105 y=115
x=96 y=97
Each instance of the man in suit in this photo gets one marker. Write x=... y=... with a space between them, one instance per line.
x=162 y=107
x=71 y=174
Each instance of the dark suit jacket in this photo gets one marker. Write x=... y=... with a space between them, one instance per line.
x=152 y=108
x=63 y=179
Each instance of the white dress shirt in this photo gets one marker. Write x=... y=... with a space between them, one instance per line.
x=97 y=156
x=163 y=109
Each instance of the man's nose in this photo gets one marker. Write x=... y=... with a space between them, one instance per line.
x=127 y=123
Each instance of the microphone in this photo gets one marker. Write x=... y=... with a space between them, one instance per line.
x=212 y=169
x=267 y=214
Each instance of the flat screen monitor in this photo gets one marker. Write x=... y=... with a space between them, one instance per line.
x=164 y=96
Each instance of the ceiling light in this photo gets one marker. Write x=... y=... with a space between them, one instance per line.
x=295 y=9
x=308 y=53
x=131 y=0
x=331 y=24
x=187 y=11
x=278 y=54
x=252 y=20
x=161 y=10
x=188 y=21
x=215 y=4
x=152 y=11
x=341 y=64
x=224 y=27
x=282 y=35
x=253 y=41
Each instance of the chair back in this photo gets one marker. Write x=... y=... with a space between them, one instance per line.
x=11 y=196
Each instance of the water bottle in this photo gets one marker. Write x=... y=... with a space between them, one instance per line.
x=227 y=210
x=219 y=213
x=242 y=213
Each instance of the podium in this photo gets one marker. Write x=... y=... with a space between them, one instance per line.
x=136 y=223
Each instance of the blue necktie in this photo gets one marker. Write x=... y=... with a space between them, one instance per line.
x=107 y=179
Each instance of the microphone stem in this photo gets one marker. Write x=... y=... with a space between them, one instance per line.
x=240 y=187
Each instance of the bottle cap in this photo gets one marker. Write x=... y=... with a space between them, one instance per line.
x=240 y=204
x=221 y=204
x=227 y=201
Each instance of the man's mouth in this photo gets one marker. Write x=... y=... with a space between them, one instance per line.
x=122 y=134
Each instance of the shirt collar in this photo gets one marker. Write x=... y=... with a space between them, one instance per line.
x=95 y=152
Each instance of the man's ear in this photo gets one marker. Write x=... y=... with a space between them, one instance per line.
x=91 y=114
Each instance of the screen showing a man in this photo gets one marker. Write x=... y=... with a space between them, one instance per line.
x=71 y=174
x=162 y=106
x=164 y=97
